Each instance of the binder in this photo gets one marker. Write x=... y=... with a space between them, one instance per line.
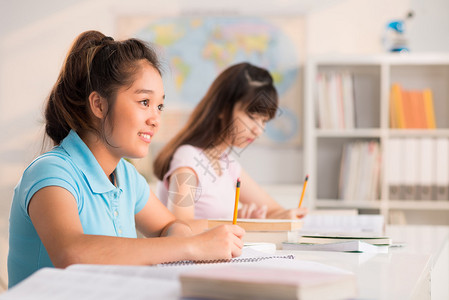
x=394 y=168
x=410 y=174
x=426 y=168
x=442 y=169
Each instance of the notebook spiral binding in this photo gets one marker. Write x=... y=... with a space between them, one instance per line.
x=232 y=260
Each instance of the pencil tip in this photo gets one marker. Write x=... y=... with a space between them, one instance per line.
x=307 y=177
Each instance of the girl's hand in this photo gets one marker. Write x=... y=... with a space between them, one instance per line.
x=251 y=211
x=221 y=242
x=294 y=213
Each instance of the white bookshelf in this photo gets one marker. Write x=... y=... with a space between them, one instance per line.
x=373 y=77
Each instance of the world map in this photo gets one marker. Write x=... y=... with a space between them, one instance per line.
x=196 y=49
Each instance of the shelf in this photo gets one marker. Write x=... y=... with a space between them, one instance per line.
x=394 y=59
x=392 y=204
x=338 y=203
x=372 y=78
x=354 y=133
x=418 y=205
x=418 y=133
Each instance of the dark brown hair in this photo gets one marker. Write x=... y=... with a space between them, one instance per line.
x=95 y=62
x=241 y=83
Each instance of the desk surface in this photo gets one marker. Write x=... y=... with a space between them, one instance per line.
x=403 y=273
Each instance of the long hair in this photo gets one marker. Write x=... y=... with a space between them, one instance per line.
x=241 y=83
x=95 y=62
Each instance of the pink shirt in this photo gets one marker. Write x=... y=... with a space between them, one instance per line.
x=215 y=195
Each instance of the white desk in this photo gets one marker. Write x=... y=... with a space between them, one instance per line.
x=418 y=270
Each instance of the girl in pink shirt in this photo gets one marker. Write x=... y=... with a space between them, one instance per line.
x=196 y=170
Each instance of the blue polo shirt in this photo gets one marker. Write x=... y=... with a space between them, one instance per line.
x=104 y=209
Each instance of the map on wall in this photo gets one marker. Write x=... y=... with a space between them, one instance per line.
x=194 y=50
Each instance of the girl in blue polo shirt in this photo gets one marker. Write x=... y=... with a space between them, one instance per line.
x=81 y=202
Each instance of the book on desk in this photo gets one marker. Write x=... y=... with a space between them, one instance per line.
x=267 y=281
x=342 y=237
x=265 y=230
x=345 y=246
x=260 y=224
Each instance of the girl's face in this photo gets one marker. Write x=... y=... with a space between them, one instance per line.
x=245 y=127
x=137 y=114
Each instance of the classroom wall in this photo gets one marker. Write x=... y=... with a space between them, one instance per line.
x=35 y=36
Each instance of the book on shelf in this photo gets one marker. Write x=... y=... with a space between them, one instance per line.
x=411 y=109
x=426 y=167
x=442 y=169
x=397 y=119
x=269 y=281
x=429 y=109
x=370 y=238
x=260 y=224
x=418 y=168
x=394 y=167
x=349 y=246
x=359 y=171
x=335 y=105
x=410 y=171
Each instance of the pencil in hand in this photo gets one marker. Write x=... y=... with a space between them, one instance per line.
x=303 y=190
x=236 y=204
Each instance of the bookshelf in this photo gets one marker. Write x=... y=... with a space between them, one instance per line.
x=372 y=76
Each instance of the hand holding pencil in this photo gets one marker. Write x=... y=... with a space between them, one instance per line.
x=303 y=190
x=236 y=203
x=294 y=213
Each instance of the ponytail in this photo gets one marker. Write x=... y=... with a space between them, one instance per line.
x=95 y=62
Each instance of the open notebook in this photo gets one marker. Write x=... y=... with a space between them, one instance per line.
x=249 y=255
x=171 y=270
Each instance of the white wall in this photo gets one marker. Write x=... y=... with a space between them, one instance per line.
x=34 y=40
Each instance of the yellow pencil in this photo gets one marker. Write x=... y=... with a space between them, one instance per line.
x=303 y=190
x=236 y=204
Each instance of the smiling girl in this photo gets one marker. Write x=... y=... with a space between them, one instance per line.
x=81 y=202
x=196 y=171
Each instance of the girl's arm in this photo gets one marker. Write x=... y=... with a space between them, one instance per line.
x=182 y=196
x=156 y=220
x=155 y=215
x=251 y=194
x=54 y=214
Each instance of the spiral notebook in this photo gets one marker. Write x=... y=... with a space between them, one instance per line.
x=249 y=255
x=171 y=270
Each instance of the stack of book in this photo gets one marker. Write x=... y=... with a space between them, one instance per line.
x=265 y=230
x=345 y=246
x=411 y=109
x=344 y=242
x=359 y=171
